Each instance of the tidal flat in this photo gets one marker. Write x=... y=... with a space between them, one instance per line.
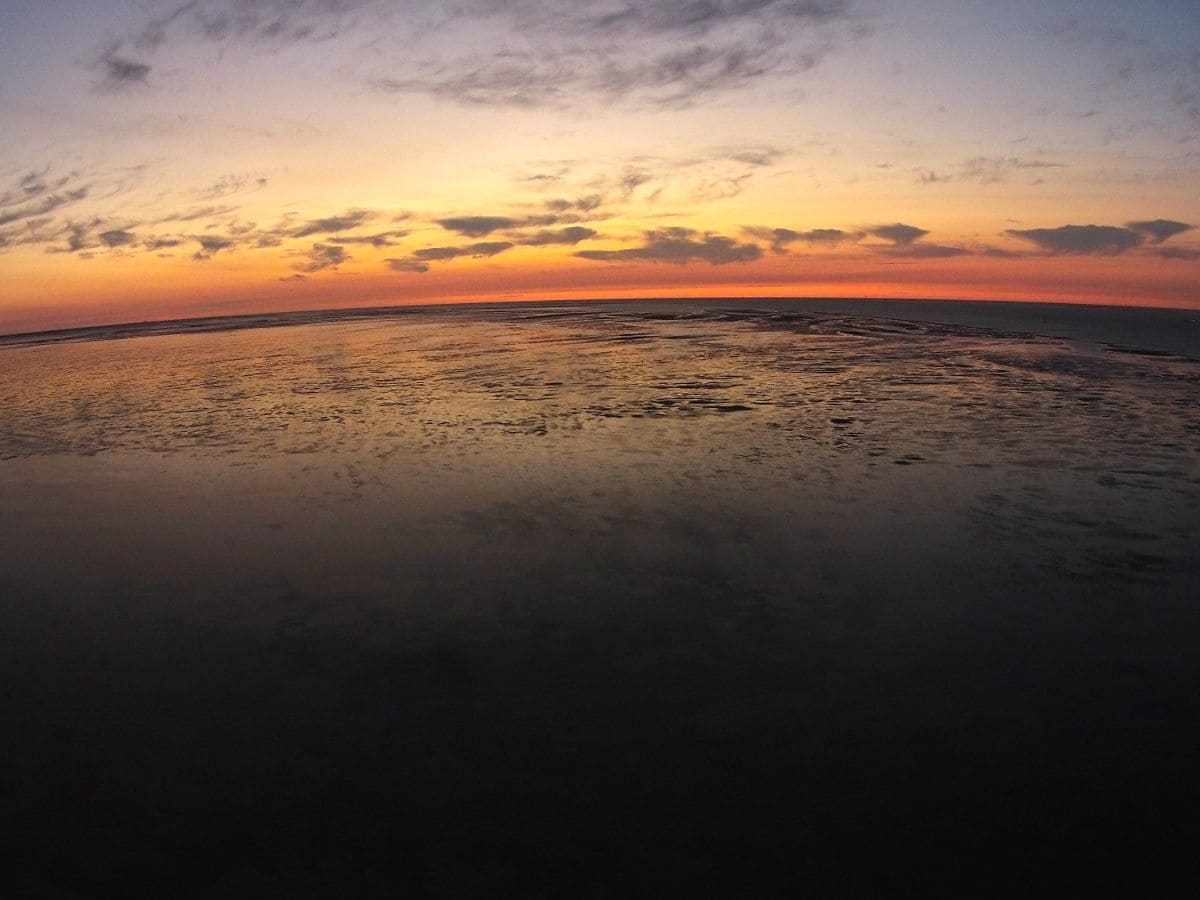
x=761 y=597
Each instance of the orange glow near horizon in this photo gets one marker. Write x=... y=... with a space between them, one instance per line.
x=398 y=161
x=137 y=292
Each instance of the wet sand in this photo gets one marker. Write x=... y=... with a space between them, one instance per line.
x=594 y=599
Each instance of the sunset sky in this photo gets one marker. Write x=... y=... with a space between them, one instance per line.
x=168 y=159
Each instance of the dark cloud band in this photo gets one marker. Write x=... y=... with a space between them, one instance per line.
x=680 y=246
x=1102 y=240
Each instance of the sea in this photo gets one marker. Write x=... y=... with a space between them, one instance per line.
x=602 y=599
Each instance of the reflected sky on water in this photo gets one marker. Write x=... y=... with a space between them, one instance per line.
x=764 y=570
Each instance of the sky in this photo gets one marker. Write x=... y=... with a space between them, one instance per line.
x=172 y=159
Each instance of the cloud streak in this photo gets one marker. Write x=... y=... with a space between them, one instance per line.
x=419 y=261
x=323 y=256
x=482 y=226
x=1082 y=240
x=477 y=226
x=1181 y=253
x=121 y=73
x=658 y=52
x=232 y=184
x=1159 y=230
x=921 y=250
x=382 y=239
x=680 y=246
x=44 y=205
x=191 y=215
x=571 y=235
x=780 y=239
x=255 y=21
x=407 y=265
x=478 y=250
x=986 y=170
x=832 y=236
x=210 y=246
x=117 y=238
x=161 y=243
x=331 y=224
x=522 y=52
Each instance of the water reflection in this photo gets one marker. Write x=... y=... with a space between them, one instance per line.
x=469 y=603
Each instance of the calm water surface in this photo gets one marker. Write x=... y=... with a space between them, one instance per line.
x=590 y=599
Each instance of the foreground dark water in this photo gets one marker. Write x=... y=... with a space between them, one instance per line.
x=602 y=599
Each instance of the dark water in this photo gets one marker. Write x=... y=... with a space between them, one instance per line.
x=599 y=600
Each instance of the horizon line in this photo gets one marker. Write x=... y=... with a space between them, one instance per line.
x=131 y=328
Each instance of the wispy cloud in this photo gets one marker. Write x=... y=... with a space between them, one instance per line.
x=570 y=235
x=1183 y=253
x=660 y=52
x=829 y=236
x=322 y=256
x=482 y=226
x=760 y=155
x=779 y=238
x=483 y=248
x=584 y=204
x=680 y=246
x=35 y=209
x=985 y=170
x=233 y=183
x=477 y=226
x=117 y=237
x=191 y=215
x=921 y=250
x=31 y=232
x=78 y=235
x=419 y=261
x=677 y=17
x=331 y=224
x=997 y=252
x=32 y=185
x=43 y=205
x=587 y=193
x=155 y=244
x=1140 y=66
x=258 y=21
x=211 y=245
x=382 y=239
x=407 y=265
x=120 y=73
x=631 y=181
